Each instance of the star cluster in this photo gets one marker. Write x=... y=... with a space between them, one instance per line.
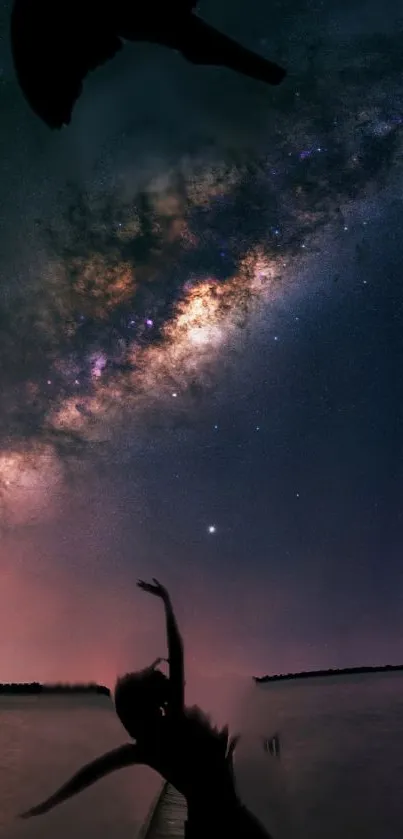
x=142 y=296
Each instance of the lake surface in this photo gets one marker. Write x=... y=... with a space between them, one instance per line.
x=340 y=773
x=341 y=767
x=43 y=741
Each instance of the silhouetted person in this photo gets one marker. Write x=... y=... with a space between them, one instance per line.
x=56 y=43
x=177 y=742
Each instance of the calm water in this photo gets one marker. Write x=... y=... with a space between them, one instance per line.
x=341 y=767
x=340 y=773
x=43 y=741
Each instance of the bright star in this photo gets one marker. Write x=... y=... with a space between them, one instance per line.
x=212 y=528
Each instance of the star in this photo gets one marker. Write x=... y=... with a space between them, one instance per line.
x=211 y=528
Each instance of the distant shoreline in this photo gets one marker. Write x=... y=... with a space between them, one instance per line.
x=59 y=688
x=29 y=688
x=314 y=674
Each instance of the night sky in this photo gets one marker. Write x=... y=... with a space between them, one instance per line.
x=201 y=354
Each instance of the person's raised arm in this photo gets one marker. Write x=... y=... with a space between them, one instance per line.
x=175 y=646
x=126 y=755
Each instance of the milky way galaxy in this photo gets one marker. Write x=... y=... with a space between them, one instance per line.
x=142 y=295
x=200 y=355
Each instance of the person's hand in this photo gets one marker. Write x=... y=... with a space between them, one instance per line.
x=158 y=661
x=154 y=588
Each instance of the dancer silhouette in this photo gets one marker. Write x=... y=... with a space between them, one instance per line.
x=56 y=44
x=179 y=743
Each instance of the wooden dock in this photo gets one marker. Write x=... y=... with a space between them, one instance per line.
x=167 y=816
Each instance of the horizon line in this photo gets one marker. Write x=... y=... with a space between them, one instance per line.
x=331 y=671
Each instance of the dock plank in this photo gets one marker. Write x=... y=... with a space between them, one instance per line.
x=169 y=815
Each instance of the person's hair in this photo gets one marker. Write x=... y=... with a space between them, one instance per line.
x=214 y=745
x=211 y=763
x=140 y=698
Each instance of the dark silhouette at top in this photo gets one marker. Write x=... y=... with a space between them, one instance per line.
x=179 y=743
x=310 y=674
x=56 y=44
